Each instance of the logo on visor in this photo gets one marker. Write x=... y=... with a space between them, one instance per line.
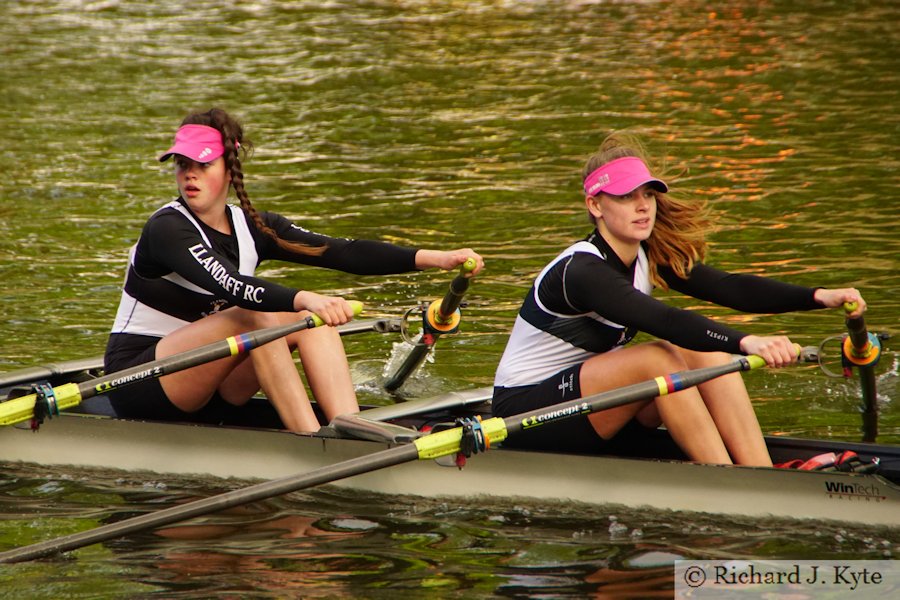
x=601 y=181
x=206 y=152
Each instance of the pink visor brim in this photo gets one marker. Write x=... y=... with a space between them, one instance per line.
x=621 y=176
x=199 y=143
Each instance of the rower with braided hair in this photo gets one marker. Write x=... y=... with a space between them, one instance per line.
x=190 y=281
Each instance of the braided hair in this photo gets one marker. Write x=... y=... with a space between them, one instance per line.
x=235 y=145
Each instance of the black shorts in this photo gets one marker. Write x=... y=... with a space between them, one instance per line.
x=575 y=434
x=147 y=400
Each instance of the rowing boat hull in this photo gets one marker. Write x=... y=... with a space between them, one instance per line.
x=184 y=449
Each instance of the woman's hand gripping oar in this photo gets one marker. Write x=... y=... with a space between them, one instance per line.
x=47 y=401
x=448 y=442
x=439 y=318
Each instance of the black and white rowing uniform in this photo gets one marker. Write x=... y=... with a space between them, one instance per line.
x=586 y=301
x=181 y=270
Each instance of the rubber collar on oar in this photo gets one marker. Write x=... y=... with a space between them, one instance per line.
x=45 y=406
x=865 y=357
x=438 y=323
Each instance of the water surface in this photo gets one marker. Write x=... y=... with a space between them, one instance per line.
x=440 y=124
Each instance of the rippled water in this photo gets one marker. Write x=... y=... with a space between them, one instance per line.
x=331 y=543
x=440 y=124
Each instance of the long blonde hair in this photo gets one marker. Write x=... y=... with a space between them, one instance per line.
x=679 y=235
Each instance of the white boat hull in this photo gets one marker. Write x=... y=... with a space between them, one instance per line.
x=165 y=448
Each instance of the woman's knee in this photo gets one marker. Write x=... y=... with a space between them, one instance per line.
x=697 y=360
x=255 y=319
x=630 y=365
x=665 y=355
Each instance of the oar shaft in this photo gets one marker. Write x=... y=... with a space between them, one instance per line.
x=51 y=371
x=70 y=395
x=254 y=493
x=856 y=328
x=498 y=429
x=416 y=357
x=439 y=317
x=231 y=346
x=660 y=386
x=863 y=354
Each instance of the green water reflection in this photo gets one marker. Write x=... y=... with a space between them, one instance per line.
x=459 y=123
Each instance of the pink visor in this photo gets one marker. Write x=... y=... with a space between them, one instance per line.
x=621 y=176
x=200 y=143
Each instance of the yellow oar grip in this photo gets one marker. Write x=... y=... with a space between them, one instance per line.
x=356 y=305
x=468 y=266
x=758 y=362
x=849 y=307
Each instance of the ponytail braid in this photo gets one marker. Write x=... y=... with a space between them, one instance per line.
x=235 y=144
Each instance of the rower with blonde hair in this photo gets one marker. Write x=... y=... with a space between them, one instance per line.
x=570 y=338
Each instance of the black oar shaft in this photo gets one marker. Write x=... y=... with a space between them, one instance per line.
x=453 y=298
x=254 y=493
x=862 y=348
x=644 y=390
x=416 y=356
x=192 y=358
x=859 y=335
x=52 y=371
x=458 y=287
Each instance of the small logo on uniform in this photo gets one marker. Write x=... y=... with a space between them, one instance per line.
x=566 y=385
x=215 y=306
x=206 y=152
x=717 y=336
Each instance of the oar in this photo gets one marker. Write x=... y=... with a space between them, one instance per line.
x=862 y=350
x=383 y=325
x=430 y=446
x=441 y=317
x=49 y=401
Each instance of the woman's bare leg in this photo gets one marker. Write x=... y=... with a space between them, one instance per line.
x=684 y=413
x=728 y=402
x=274 y=368
x=270 y=367
x=327 y=371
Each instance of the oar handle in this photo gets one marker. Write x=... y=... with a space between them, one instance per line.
x=458 y=288
x=856 y=328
